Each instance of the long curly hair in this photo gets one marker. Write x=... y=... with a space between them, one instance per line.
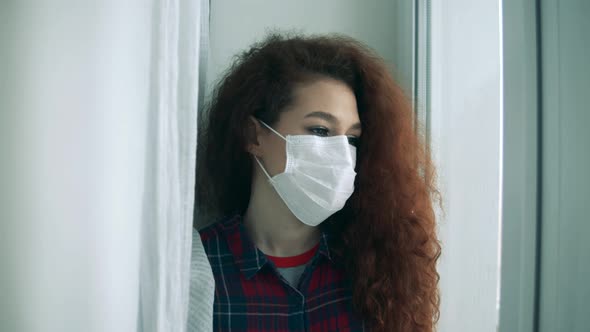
x=386 y=233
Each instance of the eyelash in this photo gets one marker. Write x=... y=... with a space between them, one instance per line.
x=352 y=140
x=314 y=130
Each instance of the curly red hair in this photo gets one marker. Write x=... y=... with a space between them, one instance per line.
x=386 y=233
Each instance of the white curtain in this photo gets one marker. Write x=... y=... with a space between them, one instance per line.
x=179 y=50
x=98 y=110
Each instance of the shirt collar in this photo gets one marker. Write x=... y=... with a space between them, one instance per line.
x=249 y=259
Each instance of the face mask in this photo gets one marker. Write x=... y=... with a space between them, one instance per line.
x=318 y=177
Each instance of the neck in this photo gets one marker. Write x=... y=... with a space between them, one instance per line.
x=271 y=225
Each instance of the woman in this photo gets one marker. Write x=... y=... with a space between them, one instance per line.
x=308 y=154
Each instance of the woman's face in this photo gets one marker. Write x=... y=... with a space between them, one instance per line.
x=324 y=107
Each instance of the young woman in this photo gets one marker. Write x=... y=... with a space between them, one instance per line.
x=323 y=189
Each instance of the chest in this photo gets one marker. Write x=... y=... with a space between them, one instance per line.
x=321 y=301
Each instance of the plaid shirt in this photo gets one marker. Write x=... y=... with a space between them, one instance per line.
x=250 y=295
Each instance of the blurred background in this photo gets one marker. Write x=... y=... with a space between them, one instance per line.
x=98 y=109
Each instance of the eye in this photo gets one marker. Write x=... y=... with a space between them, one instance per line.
x=353 y=140
x=319 y=131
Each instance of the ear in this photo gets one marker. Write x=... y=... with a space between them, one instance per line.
x=254 y=134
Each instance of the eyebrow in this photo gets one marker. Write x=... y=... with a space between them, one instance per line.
x=322 y=115
x=330 y=118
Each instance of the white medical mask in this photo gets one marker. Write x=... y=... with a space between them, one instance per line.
x=318 y=177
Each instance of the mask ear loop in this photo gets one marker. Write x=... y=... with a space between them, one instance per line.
x=274 y=131
x=262 y=167
x=257 y=160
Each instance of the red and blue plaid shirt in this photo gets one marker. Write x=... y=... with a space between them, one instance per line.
x=250 y=295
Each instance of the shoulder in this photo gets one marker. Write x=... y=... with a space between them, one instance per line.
x=210 y=232
x=217 y=231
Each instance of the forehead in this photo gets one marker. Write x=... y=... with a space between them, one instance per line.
x=324 y=95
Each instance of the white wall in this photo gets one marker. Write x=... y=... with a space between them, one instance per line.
x=466 y=138
x=236 y=24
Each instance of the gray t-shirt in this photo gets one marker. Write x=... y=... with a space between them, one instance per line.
x=292 y=274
